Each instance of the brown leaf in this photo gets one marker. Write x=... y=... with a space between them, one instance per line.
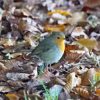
x=12 y=96
x=92 y=3
x=97 y=92
x=72 y=57
x=71 y=47
x=88 y=76
x=72 y=80
x=22 y=25
x=56 y=28
x=82 y=92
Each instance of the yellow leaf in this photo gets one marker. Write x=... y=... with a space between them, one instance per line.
x=22 y=25
x=88 y=43
x=62 y=12
x=56 y=28
x=97 y=74
x=12 y=96
x=97 y=92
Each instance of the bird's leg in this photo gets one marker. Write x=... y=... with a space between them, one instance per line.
x=46 y=66
x=41 y=68
x=50 y=67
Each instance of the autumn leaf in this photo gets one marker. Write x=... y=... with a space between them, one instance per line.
x=62 y=12
x=22 y=25
x=97 y=92
x=92 y=3
x=72 y=80
x=71 y=47
x=96 y=77
x=88 y=43
x=12 y=96
x=72 y=53
x=82 y=91
x=56 y=28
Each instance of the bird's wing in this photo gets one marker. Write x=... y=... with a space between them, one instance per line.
x=43 y=46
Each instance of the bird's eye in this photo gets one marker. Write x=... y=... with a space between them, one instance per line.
x=80 y=67
x=76 y=76
x=58 y=37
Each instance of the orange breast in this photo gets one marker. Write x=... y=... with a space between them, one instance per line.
x=61 y=44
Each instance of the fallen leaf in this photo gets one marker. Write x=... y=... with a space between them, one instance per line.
x=56 y=28
x=71 y=47
x=72 y=80
x=62 y=12
x=72 y=53
x=72 y=57
x=76 y=18
x=88 y=43
x=82 y=91
x=12 y=96
x=96 y=77
x=88 y=76
x=92 y=3
x=97 y=92
x=79 y=32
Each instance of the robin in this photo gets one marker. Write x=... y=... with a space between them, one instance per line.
x=51 y=49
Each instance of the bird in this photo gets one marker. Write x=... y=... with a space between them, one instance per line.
x=51 y=49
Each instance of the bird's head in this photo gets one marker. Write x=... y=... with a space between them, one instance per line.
x=58 y=36
x=59 y=40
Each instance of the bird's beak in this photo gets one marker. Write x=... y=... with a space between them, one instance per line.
x=63 y=38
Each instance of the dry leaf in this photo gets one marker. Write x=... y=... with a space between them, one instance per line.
x=68 y=48
x=97 y=48
x=11 y=63
x=97 y=92
x=82 y=92
x=4 y=89
x=12 y=96
x=76 y=18
x=7 y=42
x=56 y=28
x=17 y=76
x=72 y=57
x=92 y=3
x=62 y=12
x=31 y=39
x=22 y=25
x=72 y=80
x=88 y=43
x=72 y=53
x=87 y=77
x=2 y=66
x=78 y=32
x=25 y=23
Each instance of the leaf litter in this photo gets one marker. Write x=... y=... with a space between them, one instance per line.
x=23 y=24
